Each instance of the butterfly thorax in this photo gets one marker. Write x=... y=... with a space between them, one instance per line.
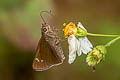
x=48 y=32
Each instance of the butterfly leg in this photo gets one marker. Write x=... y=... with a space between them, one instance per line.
x=62 y=40
x=56 y=29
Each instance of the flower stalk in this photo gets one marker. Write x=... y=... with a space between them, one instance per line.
x=112 y=41
x=102 y=35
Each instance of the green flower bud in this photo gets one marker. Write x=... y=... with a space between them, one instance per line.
x=96 y=55
x=80 y=32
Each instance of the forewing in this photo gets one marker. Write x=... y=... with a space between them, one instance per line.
x=46 y=56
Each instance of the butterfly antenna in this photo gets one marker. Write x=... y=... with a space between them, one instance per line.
x=48 y=12
x=42 y=17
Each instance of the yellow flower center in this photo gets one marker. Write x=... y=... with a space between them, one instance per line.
x=69 y=29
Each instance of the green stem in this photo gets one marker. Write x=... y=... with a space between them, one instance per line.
x=102 y=35
x=112 y=41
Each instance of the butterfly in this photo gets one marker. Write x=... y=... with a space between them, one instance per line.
x=49 y=51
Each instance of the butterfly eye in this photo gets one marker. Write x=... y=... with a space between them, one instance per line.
x=44 y=29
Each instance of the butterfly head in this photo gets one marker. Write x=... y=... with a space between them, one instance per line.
x=45 y=28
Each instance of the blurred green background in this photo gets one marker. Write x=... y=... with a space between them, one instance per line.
x=20 y=24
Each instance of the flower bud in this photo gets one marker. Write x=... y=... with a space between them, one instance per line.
x=96 y=55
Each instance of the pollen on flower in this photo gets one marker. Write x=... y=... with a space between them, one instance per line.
x=69 y=29
x=64 y=24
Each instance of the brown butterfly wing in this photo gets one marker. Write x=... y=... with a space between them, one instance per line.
x=46 y=56
x=56 y=46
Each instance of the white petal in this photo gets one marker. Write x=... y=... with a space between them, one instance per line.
x=79 y=50
x=90 y=44
x=71 y=58
x=80 y=25
x=72 y=41
x=86 y=46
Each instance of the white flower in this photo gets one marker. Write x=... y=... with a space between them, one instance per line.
x=78 y=45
